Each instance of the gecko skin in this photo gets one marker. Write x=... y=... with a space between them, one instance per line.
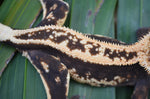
x=58 y=52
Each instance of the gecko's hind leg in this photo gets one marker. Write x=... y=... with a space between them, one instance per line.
x=141 y=89
x=53 y=73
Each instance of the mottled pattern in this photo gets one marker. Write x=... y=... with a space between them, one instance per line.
x=55 y=35
x=118 y=54
x=75 y=44
x=58 y=36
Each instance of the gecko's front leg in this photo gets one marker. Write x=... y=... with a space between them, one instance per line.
x=54 y=12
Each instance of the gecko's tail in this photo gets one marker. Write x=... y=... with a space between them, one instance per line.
x=4 y=32
x=143 y=36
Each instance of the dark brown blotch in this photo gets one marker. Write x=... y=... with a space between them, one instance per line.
x=95 y=49
x=72 y=45
x=114 y=54
x=59 y=39
x=41 y=34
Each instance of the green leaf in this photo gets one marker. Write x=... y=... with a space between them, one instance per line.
x=11 y=82
x=128 y=19
x=6 y=53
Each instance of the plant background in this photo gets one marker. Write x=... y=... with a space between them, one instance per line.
x=114 y=18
